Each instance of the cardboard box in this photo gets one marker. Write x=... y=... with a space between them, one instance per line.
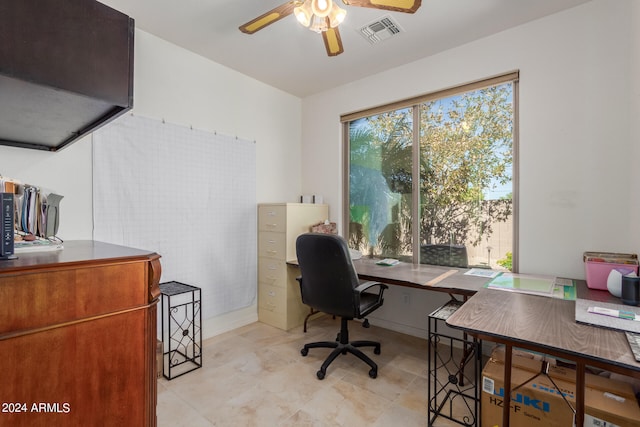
x=532 y=362
x=539 y=402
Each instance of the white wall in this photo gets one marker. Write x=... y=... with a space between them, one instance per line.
x=578 y=187
x=183 y=88
x=67 y=172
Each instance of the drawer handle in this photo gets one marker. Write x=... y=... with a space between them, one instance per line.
x=272 y=294
x=271 y=213
x=272 y=278
x=272 y=252
x=272 y=267
x=272 y=241
x=272 y=225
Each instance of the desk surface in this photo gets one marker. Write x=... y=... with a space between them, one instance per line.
x=421 y=276
x=544 y=324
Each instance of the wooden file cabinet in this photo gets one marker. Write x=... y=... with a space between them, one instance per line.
x=279 y=224
x=78 y=337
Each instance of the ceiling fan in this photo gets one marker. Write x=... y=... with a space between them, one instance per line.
x=324 y=16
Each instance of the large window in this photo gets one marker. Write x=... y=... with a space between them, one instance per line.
x=431 y=180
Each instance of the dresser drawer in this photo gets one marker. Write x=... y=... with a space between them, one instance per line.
x=272 y=218
x=272 y=245
x=272 y=271
x=66 y=294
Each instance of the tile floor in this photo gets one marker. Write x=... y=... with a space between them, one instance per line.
x=255 y=376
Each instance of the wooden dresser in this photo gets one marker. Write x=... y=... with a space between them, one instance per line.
x=78 y=337
x=279 y=224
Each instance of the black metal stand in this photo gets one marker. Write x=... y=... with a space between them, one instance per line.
x=181 y=329
x=453 y=390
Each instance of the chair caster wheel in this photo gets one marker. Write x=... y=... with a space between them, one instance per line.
x=365 y=324
x=376 y=350
x=304 y=351
x=373 y=373
x=320 y=375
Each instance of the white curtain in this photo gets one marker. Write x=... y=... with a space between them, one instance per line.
x=186 y=194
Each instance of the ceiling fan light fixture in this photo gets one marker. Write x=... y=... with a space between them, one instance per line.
x=336 y=16
x=319 y=25
x=303 y=13
x=319 y=15
x=321 y=8
x=324 y=16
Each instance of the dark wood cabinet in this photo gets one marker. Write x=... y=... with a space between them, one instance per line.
x=78 y=337
x=66 y=68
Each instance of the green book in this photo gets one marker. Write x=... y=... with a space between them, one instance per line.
x=388 y=262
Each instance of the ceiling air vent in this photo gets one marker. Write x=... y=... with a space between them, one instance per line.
x=379 y=30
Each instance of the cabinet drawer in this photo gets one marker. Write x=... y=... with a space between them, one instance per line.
x=272 y=218
x=272 y=298
x=272 y=271
x=278 y=320
x=272 y=245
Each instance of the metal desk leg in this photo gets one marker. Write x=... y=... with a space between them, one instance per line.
x=466 y=351
x=580 y=383
x=447 y=386
x=506 y=402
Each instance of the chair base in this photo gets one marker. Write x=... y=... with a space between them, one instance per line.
x=343 y=346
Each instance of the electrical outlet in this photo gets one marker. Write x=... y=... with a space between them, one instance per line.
x=406 y=298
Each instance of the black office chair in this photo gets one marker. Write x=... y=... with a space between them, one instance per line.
x=448 y=255
x=329 y=284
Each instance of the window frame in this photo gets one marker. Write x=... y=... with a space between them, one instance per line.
x=512 y=77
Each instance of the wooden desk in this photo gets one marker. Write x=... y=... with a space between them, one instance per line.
x=437 y=278
x=421 y=276
x=546 y=325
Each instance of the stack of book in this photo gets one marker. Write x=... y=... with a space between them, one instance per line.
x=37 y=245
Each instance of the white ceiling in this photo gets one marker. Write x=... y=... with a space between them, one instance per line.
x=292 y=58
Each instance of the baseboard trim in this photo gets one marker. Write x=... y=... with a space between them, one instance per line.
x=229 y=321
x=398 y=327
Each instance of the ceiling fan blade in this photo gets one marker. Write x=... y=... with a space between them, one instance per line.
x=407 y=6
x=269 y=17
x=332 y=41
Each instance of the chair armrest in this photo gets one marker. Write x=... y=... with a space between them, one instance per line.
x=366 y=285
x=366 y=302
